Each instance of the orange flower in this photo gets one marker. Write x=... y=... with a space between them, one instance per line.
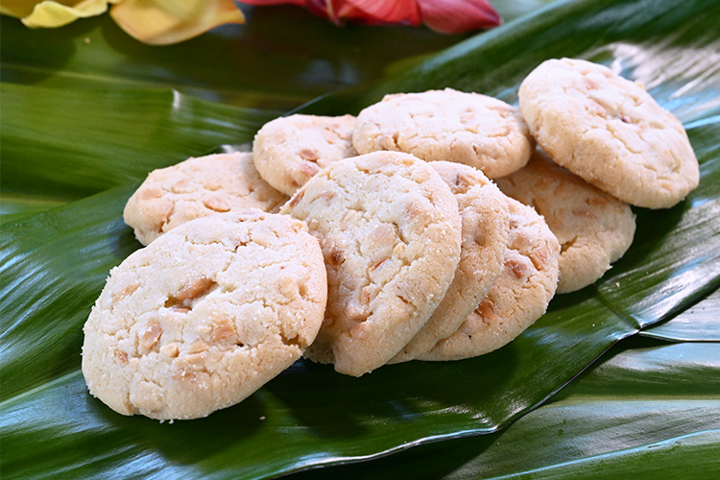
x=445 y=16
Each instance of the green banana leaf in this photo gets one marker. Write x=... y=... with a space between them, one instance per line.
x=280 y=59
x=648 y=410
x=168 y=127
x=700 y=323
x=81 y=126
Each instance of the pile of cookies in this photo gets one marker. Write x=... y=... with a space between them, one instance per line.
x=429 y=227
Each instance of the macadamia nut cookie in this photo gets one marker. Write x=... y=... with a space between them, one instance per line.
x=196 y=188
x=485 y=221
x=205 y=315
x=470 y=128
x=519 y=296
x=593 y=227
x=390 y=232
x=290 y=150
x=609 y=131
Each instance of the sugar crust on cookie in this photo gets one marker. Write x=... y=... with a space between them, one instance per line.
x=469 y=128
x=485 y=223
x=519 y=296
x=205 y=315
x=594 y=228
x=390 y=231
x=195 y=188
x=290 y=150
x=609 y=131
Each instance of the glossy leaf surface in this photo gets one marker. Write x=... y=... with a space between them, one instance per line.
x=281 y=58
x=70 y=144
x=699 y=323
x=647 y=410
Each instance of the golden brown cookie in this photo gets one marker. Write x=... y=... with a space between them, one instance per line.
x=290 y=150
x=470 y=128
x=485 y=221
x=519 y=296
x=610 y=132
x=205 y=315
x=389 y=228
x=593 y=227
x=196 y=188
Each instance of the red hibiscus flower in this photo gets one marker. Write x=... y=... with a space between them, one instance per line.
x=445 y=16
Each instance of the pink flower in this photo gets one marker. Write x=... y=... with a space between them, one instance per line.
x=445 y=16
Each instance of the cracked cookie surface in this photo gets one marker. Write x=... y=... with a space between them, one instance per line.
x=196 y=188
x=205 y=315
x=469 y=128
x=609 y=131
x=519 y=296
x=390 y=232
x=290 y=150
x=594 y=228
x=485 y=220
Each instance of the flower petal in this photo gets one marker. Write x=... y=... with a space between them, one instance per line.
x=457 y=16
x=163 y=22
x=322 y=9
x=51 y=14
x=17 y=8
x=374 y=12
x=263 y=3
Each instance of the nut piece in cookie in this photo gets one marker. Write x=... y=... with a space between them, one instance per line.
x=205 y=315
x=390 y=231
x=593 y=227
x=520 y=295
x=485 y=223
x=610 y=132
x=470 y=128
x=196 y=188
x=290 y=150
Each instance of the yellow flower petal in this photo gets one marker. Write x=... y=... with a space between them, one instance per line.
x=162 y=22
x=52 y=14
x=17 y=8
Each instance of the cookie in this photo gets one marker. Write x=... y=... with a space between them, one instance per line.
x=609 y=131
x=290 y=150
x=205 y=315
x=390 y=232
x=196 y=188
x=485 y=217
x=469 y=128
x=593 y=227
x=519 y=296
